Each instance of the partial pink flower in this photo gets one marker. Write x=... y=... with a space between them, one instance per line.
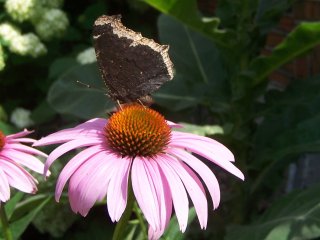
x=13 y=157
x=139 y=142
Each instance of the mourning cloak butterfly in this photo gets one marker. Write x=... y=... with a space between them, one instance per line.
x=132 y=66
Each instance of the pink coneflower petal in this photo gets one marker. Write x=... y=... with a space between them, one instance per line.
x=88 y=187
x=13 y=157
x=59 y=151
x=118 y=189
x=210 y=145
x=18 y=177
x=25 y=149
x=24 y=140
x=164 y=199
x=145 y=192
x=178 y=192
x=25 y=132
x=201 y=150
x=24 y=159
x=91 y=128
x=72 y=166
x=204 y=172
x=4 y=187
x=194 y=188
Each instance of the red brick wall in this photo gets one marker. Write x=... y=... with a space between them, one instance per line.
x=304 y=66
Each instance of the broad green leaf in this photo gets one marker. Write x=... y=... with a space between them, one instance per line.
x=295 y=216
x=27 y=205
x=61 y=65
x=6 y=128
x=68 y=96
x=173 y=231
x=200 y=130
x=12 y=203
x=20 y=225
x=269 y=12
x=55 y=219
x=302 y=39
x=290 y=127
x=187 y=12
x=42 y=113
x=200 y=76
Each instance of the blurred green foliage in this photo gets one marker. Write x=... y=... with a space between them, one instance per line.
x=219 y=77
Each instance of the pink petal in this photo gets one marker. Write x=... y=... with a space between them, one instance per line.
x=4 y=187
x=91 y=182
x=23 y=159
x=21 y=140
x=178 y=192
x=18 y=177
x=164 y=198
x=212 y=145
x=72 y=166
x=25 y=132
x=218 y=158
x=59 y=151
x=26 y=149
x=118 y=188
x=145 y=192
x=194 y=188
x=91 y=128
x=174 y=125
x=204 y=172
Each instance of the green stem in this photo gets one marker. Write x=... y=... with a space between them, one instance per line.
x=140 y=219
x=123 y=222
x=5 y=224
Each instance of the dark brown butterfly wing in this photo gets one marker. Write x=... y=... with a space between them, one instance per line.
x=131 y=66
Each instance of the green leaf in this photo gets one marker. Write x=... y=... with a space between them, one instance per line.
x=6 y=128
x=187 y=12
x=302 y=39
x=67 y=96
x=200 y=76
x=202 y=130
x=11 y=204
x=173 y=231
x=61 y=65
x=290 y=127
x=42 y=113
x=19 y=226
x=295 y=216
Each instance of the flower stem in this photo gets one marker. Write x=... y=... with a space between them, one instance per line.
x=123 y=222
x=5 y=224
x=140 y=218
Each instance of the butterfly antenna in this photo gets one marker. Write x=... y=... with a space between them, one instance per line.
x=119 y=104
x=138 y=100
x=83 y=84
x=89 y=86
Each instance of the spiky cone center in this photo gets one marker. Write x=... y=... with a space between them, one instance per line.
x=2 y=140
x=137 y=131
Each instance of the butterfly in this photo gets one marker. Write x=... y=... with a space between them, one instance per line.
x=132 y=66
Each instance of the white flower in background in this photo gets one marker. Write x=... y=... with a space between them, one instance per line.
x=21 y=10
x=52 y=3
x=28 y=44
x=87 y=56
x=21 y=118
x=2 y=63
x=52 y=23
x=8 y=32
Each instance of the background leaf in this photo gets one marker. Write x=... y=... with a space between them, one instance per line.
x=295 y=216
x=67 y=96
x=302 y=39
x=199 y=72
